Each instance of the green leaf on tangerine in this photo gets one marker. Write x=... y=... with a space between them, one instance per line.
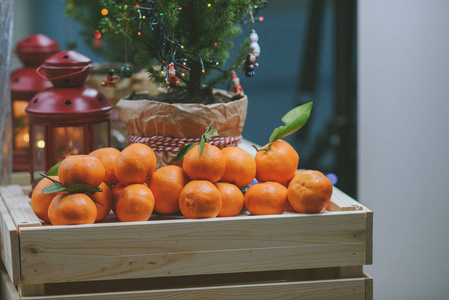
x=184 y=151
x=210 y=126
x=83 y=188
x=294 y=120
x=51 y=179
x=210 y=134
x=54 y=170
x=201 y=147
x=54 y=188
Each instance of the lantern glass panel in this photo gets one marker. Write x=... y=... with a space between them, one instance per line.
x=101 y=131
x=21 y=129
x=68 y=141
x=37 y=132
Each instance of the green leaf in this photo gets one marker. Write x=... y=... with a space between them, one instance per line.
x=184 y=151
x=201 y=147
x=209 y=134
x=54 y=170
x=51 y=179
x=294 y=120
x=54 y=188
x=76 y=188
x=83 y=188
x=209 y=127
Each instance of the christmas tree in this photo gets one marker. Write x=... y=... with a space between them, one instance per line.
x=181 y=42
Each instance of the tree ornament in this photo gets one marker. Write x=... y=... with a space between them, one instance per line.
x=237 y=89
x=254 y=47
x=172 y=80
x=111 y=80
x=126 y=71
x=249 y=65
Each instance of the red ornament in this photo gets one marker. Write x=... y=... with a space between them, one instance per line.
x=25 y=83
x=68 y=118
x=172 y=80
x=237 y=89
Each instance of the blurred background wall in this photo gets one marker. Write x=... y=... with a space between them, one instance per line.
x=404 y=144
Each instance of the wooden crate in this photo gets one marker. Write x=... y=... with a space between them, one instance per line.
x=316 y=256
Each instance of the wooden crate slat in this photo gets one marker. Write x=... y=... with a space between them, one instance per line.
x=91 y=252
x=9 y=244
x=369 y=288
x=19 y=206
x=7 y=289
x=369 y=237
x=206 y=234
x=342 y=202
x=337 y=289
x=189 y=263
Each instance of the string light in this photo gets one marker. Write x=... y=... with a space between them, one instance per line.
x=172 y=50
x=104 y=11
x=97 y=34
x=260 y=19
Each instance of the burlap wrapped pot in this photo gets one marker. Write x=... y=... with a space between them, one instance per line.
x=167 y=127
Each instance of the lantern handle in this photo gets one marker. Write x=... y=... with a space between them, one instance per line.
x=38 y=71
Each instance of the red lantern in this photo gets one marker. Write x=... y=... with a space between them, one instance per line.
x=25 y=83
x=69 y=118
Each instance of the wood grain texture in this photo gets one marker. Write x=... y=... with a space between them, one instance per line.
x=9 y=244
x=19 y=206
x=369 y=237
x=369 y=288
x=190 y=247
x=7 y=289
x=31 y=290
x=342 y=202
x=338 y=289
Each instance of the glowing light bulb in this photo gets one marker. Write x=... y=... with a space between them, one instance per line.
x=97 y=34
x=203 y=71
x=41 y=144
x=182 y=74
x=139 y=33
x=260 y=19
x=182 y=47
x=180 y=8
x=209 y=5
x=104 y=11
x=184 y=63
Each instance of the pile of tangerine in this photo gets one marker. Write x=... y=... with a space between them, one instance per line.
x=206 y=186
